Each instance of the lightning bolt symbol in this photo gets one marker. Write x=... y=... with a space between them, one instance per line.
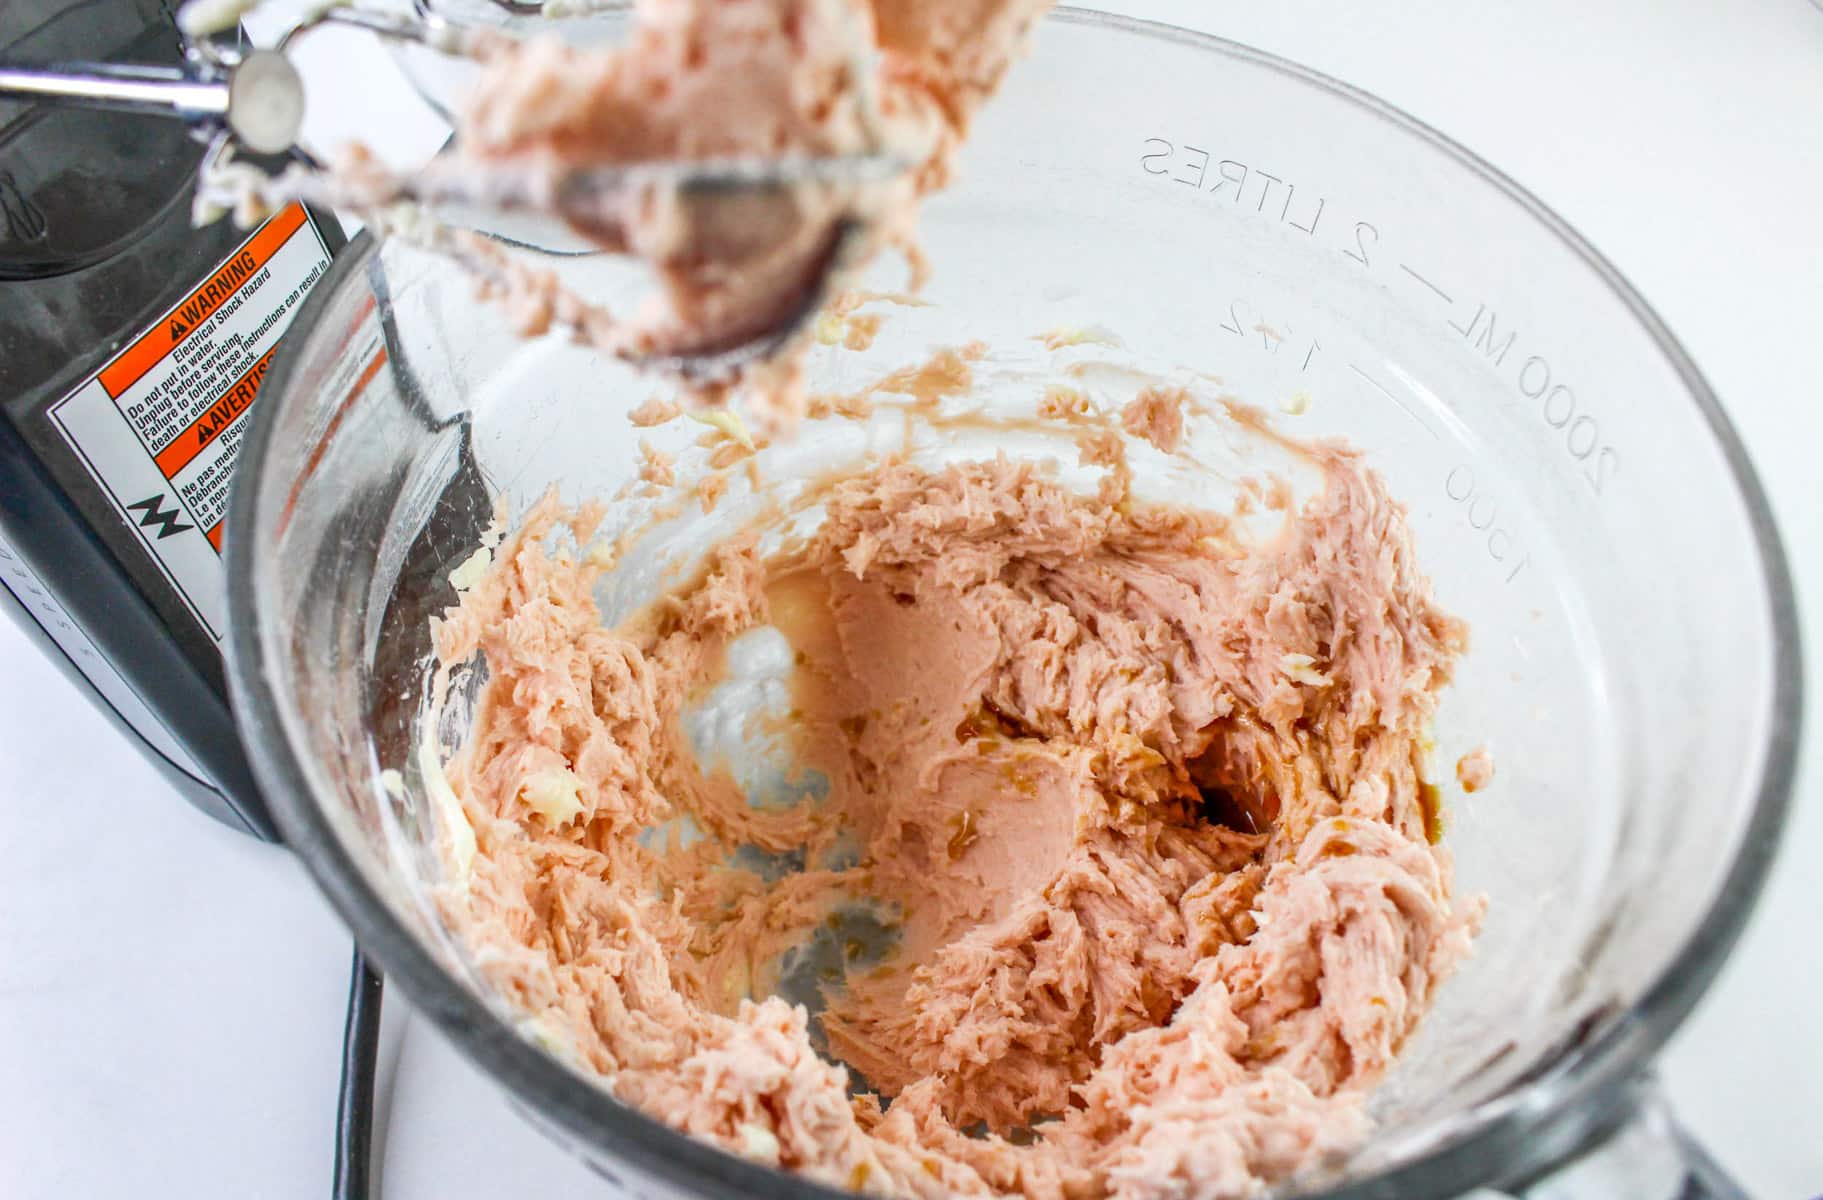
x=152 y=513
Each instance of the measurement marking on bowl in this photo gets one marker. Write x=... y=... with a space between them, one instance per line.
x=1482 y=330
x=1483 y=513
x=1441 y=294
x=1558 y=405
x=1273 y=334
x=1409 y=410
x=1190 y=166
x=1359 y=242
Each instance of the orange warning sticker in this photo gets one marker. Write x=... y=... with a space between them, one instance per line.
x=160 y=425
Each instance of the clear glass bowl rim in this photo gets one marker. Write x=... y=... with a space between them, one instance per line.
x=1516 y=1135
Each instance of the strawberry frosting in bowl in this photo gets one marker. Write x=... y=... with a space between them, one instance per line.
x=1013 y=942
x=1090 y=849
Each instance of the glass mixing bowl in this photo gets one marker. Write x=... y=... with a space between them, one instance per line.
x=1574 y=489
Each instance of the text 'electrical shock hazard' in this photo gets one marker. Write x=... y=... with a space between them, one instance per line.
x=161 y=424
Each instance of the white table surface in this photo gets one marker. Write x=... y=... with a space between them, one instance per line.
x=171 y=993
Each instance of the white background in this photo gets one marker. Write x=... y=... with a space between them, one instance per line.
x=171 y=993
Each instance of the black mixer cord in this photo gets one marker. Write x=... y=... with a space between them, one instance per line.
x=354 y=1110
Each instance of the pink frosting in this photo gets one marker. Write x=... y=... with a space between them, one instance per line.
x=1141 y=796
x=752 y=80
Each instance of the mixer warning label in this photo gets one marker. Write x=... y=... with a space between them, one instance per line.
x=160 y=425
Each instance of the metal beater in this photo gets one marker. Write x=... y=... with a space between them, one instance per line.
x=253 y=99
